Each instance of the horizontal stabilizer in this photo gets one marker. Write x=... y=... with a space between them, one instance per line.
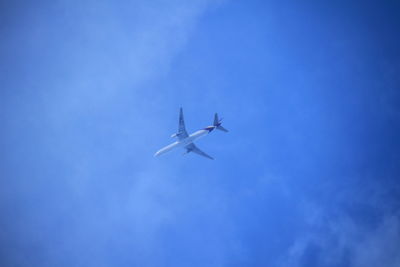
x=222 y=128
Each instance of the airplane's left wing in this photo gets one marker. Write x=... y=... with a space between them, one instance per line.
x=182 y=134
x=193 y=148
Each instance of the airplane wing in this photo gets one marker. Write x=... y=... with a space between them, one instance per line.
x=182 y=134
x=193 y=148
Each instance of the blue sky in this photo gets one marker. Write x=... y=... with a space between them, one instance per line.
x=307 y=176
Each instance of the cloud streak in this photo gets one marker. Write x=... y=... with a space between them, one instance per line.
x=341 y=238
x=76 y=112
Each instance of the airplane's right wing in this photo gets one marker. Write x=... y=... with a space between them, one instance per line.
x=193 y=148
x=182 y=134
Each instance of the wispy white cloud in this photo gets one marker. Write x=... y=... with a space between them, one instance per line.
x=86 y=61
x=380 y=247
x=342 y=240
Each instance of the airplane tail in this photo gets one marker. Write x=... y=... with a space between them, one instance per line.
x=217 y=123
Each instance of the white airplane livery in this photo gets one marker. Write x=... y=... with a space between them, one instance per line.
x=186 y=141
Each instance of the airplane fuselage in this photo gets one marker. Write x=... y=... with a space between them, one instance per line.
x=184 y=142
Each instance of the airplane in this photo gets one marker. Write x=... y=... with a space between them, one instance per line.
x=186 y=141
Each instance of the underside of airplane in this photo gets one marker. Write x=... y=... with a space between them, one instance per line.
x=185 y=140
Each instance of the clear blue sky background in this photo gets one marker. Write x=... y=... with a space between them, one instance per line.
x=307 y=176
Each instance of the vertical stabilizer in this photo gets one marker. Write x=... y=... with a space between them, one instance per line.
x=216 y=120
